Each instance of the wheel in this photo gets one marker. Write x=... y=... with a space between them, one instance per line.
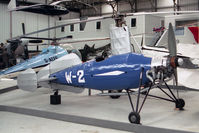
x=180 y=103
x=55 y=99
x=114 y=96
x=134 y=118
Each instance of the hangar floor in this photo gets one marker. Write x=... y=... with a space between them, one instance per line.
x=155 y=113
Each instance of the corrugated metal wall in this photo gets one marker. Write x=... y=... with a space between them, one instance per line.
x=33 y=22
x=146 y=5
x=189 y=5
x=4 y=23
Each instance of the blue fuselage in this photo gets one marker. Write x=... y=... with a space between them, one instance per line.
x=47 y=55
x=114 y=73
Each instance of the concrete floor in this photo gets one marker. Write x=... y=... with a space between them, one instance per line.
x=155 y=113
x=16 y=123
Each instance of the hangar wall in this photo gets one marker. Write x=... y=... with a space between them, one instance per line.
x=32 y=22
x=144 y=5
x=4 y=23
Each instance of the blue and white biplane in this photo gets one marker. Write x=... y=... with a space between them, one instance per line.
x=125 y=71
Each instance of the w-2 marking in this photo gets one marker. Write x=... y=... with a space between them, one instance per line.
x=80 y=75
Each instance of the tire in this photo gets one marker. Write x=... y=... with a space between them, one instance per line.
x=134 y=118
x=180 y=103
x=115 y=96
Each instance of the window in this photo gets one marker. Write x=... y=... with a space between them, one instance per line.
x=72 y=27
x=180 y=24
x=133 y=22
x=179 y=31
x=62 y=29
x=82 y=26
x=98 y=25
x=183 y=23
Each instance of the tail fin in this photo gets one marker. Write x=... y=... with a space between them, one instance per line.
x=12 y=5
x=163 y=41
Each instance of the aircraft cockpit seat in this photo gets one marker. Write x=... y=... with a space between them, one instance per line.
x=99 y=58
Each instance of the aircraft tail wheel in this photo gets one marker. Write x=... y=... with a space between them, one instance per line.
x=180 y=103
x=55 y=99
x=115 y=96
x=134 y=117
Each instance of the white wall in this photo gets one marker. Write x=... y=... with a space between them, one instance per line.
x=107 y=9
x=33 y=22
x=71 y=15
x=4 y=23
x=173 y=18
x=90 y=32
x=145 y=5
x=150 y=23
x=124 y=7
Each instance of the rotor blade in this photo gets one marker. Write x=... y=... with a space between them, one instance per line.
x=35 y=41
x=100 y=18
x=51 y=39
x=58 y=26
x=160 y=13
x=171 y=41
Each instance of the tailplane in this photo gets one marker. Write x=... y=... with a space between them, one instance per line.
x=28 y=80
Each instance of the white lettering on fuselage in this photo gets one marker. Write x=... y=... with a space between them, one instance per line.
x=68 y=77
x=79 y=75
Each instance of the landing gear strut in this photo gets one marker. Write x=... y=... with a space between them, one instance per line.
x=55 y=99
x=134 y=116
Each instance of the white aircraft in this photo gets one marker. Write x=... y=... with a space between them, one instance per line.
x=189 y=54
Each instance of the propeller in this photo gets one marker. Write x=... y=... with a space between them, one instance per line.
x=172 y=51
x=174 y=60
x=171 y=42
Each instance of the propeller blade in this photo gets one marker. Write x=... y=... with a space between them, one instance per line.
x=171 y=41
x=176 y=76
x=142 y=42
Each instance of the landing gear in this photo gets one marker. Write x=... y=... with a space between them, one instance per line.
x=134 y=118
x=55 y=99
x=180 y=103
x=115 y=96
